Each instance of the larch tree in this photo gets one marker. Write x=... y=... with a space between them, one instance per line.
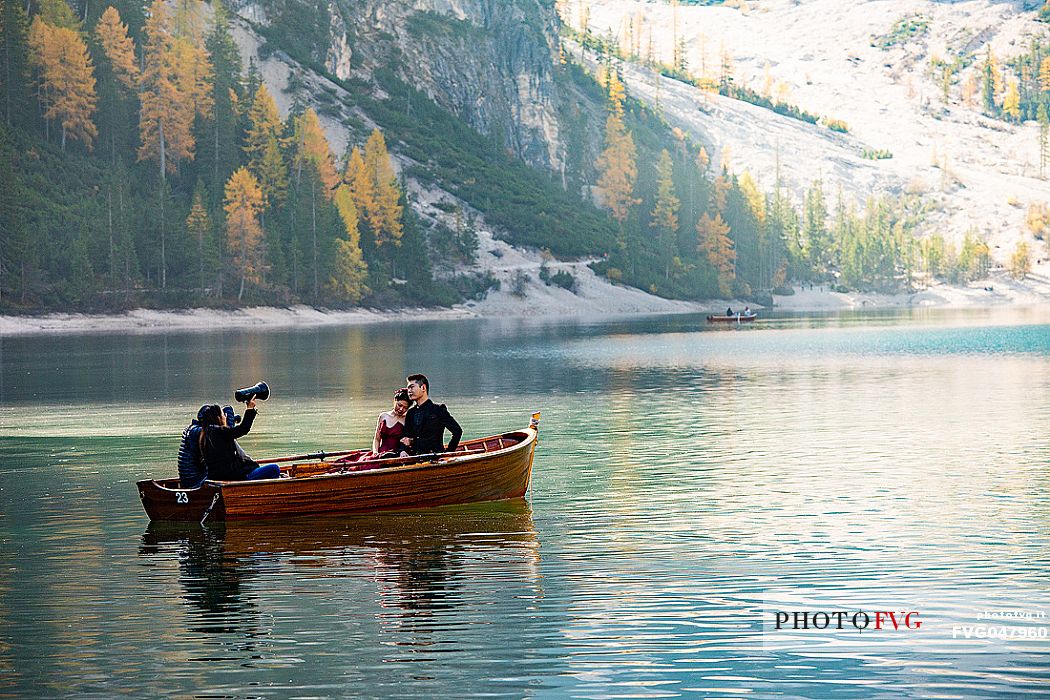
x=616 y=92
x=618 y=171
x=175 y=87
x=361 y=189
x=1043 y=117
x=1012 y=102
x=67 y=78
x=166 y=118
x=313 y=164
x=112 y=35
x=665 y=212
x=715 y=243
x=387 y=193
x=311 y=146
x=194 y=75
x=969 y=89
x=349 y=270
x=244 y=236
x=118 y=82
x=188 y=21
x=1021 y=261
x=263 y=148
x=1044 y=74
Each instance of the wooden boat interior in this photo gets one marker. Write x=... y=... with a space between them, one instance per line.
x=322 y=464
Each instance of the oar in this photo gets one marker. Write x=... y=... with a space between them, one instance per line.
x=313 y=455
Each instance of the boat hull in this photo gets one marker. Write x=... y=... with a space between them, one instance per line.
x=317 y=488
x=731 y=319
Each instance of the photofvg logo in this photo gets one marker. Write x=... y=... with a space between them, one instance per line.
x=861 y=621
x=950 y=620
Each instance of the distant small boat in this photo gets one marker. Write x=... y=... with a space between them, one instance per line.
x=487 y=469
x=735 y=318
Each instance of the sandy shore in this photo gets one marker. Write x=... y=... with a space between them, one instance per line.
x=998 y=290
x=593 y=298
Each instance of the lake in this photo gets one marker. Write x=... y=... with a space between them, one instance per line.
x=692 y=485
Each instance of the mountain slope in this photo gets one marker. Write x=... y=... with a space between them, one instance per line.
x=972 y=171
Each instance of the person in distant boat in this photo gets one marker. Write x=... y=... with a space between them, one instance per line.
x=223 y=457
x=426 y=422
x=391 y=428
x=729 y=311
x=747 y=311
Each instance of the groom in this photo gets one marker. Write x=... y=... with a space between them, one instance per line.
x=425 y=422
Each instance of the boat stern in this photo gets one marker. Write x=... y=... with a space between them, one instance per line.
x=164 y=500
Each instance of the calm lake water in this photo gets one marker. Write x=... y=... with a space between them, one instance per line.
x=690 y=484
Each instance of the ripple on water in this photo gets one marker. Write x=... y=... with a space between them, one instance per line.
x=687 y=484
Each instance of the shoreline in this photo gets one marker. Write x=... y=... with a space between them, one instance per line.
x=1000 y=291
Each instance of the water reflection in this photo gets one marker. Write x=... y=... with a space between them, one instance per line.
x=421 y=567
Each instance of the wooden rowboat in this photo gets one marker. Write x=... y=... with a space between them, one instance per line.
x=735 y=318
x=487 y=469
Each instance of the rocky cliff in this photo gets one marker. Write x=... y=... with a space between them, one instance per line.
x=489 y=62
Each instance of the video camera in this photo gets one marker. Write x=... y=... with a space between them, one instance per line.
x=232 y=418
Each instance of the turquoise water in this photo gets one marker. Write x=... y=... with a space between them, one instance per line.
x=689 y=484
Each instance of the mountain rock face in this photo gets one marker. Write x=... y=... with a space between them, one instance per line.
x=489 y=62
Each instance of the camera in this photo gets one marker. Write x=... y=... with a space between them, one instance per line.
x=259 y=391
x=232 y=418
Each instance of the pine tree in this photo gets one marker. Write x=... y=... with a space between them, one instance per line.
x=67 y=79
x=244 y=201
x=57 y=13
x=14 y=52
x=198 y=225
x=221 y=149
x=814 y=232
x=665 y=212
x=384 y=185
x=989 y=73
x=715 y=244
x=14 y=236
x=347 y=281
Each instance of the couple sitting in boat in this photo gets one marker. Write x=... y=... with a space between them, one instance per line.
x=415 y=430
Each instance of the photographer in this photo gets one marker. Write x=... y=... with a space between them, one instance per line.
x=224 y=458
